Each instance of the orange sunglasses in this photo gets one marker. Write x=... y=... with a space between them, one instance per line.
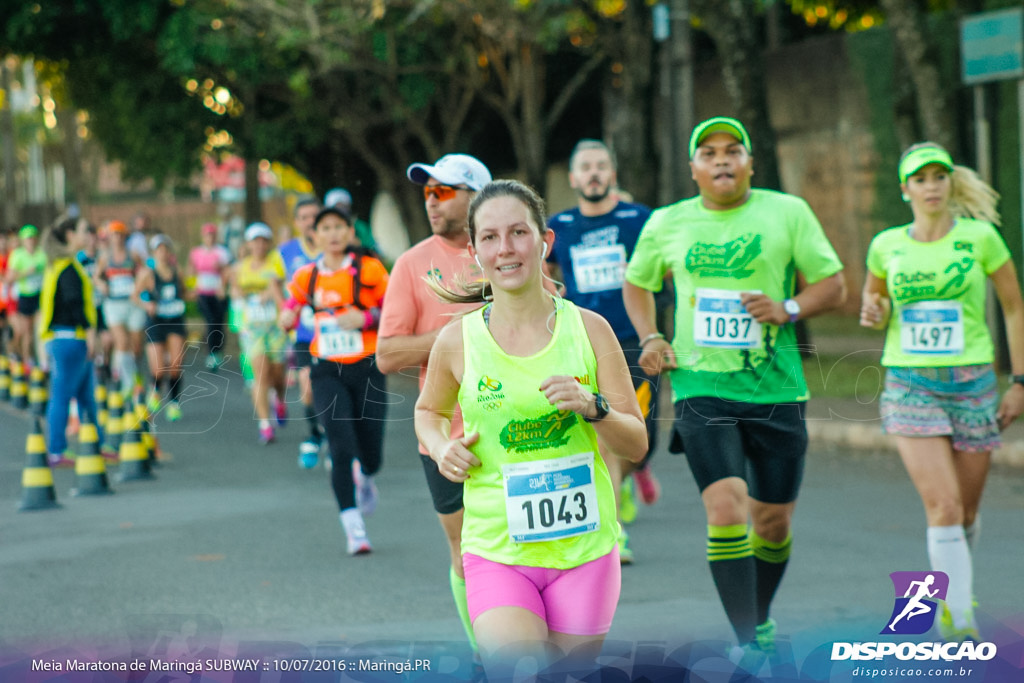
x=441 y=192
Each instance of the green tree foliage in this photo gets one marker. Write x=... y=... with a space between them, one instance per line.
x=137 y=108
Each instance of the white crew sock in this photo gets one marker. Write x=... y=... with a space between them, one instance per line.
x=125 y=362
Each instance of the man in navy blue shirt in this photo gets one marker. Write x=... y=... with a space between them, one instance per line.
x=593 y=243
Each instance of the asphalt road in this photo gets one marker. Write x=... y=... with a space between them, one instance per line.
x=232 y=550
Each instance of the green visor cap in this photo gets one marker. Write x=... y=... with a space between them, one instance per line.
x=719 y=124
x=28 y=231
x=921 y=157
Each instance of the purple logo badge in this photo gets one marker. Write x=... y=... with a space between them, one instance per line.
x=917 y=597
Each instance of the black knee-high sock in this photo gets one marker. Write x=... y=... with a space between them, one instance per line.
x=314 y=424
x=771 y=560
x=732 y=567
x=175 y=382
x=102 y=373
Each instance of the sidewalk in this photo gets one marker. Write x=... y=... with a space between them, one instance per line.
x=848 y=423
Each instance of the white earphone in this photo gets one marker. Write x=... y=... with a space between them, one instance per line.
x=476 y=258
x=544 y=251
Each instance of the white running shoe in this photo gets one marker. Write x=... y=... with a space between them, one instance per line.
x=366 y=490
x=358 y=543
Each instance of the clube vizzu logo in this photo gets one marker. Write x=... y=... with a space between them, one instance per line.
x=918 y=602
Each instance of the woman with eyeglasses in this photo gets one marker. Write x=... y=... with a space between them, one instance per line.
x=927 y=284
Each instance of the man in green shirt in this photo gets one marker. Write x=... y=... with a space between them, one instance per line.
x=736 y=254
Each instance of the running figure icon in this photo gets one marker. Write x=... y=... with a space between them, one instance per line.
x=915 y=606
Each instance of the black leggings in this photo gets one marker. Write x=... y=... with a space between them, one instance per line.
x=351 y=402
x=213 y=309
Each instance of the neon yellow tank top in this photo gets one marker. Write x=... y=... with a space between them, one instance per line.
x=542 y=480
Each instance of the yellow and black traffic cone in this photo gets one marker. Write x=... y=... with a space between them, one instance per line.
x=134 y=459
x=146 y=434
x=37 y=488
x=114 y=429
x=5 y=379
x=19 y=389
x=100 y=394
x=37 y=392
x=90 y=469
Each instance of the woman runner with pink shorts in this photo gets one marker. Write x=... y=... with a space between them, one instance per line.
x=538 y=380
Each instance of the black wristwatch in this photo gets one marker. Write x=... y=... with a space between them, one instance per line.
x=1017 y=379
x=602 y=408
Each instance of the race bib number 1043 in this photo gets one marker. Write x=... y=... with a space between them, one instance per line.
x=551 y=499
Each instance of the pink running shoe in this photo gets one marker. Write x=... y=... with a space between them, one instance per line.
x=59 y=460
x=280 y=412
x=266 y=435
x=647 y=485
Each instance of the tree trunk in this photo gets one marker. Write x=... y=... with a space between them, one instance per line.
x=627 y=103
x=408 y=196
x=253 y=205
x=10 y=216
x=731 y=25
x=935 y=106
x=904 y=102
x=72 y=158
x=531 y=110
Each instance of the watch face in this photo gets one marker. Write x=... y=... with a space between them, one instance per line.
x=791 y=307
x=601 y=406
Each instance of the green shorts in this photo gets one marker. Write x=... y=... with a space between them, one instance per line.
x=263 y=340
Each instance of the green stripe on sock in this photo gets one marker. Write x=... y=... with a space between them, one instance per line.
x=768 y=551
x=728 y=543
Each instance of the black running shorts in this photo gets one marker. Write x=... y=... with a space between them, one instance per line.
x=764 y=444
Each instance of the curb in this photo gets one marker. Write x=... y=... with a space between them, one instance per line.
x=869 y=437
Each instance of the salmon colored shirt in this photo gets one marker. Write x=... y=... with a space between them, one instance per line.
x=412 y=308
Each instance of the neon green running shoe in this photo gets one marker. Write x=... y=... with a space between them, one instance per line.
x=749 y=657
x=949 y=631
x=173 y=413
x=765 y=636
x=153 y=402
x=627 y=505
